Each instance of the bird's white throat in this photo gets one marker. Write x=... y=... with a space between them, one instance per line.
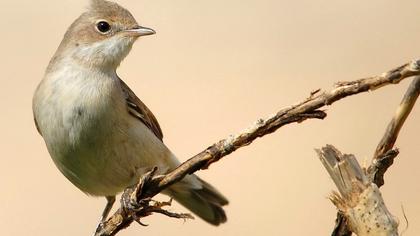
x=108 y=53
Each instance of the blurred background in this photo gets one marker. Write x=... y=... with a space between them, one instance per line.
x=212 y=69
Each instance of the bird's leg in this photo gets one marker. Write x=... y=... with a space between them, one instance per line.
x=109 y=203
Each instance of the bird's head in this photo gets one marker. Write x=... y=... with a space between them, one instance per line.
x=102 y=36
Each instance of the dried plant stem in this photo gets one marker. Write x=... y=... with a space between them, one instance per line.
x=359 y=200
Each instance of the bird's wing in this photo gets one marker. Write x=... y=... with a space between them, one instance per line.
x=139 y=110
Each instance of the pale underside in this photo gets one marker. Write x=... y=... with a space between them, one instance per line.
x=94 y=146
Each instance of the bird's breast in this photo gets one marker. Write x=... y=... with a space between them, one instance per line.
x=77 y=115
x=73 y=104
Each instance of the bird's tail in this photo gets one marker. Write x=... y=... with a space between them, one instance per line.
x=201 y=198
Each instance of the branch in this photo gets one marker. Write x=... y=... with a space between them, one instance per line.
x=385 y=154
x=394 y=126
x=308 y=109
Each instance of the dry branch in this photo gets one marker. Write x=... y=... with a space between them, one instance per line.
x=385 y=154
x=358 y=199
x=394 y=126
x=308 y=109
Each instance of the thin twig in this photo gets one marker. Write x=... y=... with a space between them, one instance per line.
x=394 y=127
x=308 y=109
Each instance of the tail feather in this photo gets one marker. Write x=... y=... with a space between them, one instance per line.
x=206 y=202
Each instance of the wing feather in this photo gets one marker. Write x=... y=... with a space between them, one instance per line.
x=139 y=110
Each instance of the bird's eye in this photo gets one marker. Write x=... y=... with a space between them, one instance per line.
x=103 y=26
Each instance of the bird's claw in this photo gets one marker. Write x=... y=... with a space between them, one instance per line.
x=132 y=198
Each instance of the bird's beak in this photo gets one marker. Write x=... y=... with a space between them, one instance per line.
x=140 y=31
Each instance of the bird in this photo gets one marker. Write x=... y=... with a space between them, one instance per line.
x=99 y=134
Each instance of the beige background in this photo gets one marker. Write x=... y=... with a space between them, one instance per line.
x=213 y=68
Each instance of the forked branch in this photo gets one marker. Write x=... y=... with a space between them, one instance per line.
x=307 y=109
x=385 y=154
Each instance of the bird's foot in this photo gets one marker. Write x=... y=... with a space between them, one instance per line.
x=132 y=199
x=138 y=206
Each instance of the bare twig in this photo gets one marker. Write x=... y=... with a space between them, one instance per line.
x=308 y=109
x=394 y=126
x=385 y=154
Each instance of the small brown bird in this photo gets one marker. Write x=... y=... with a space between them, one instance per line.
x=97 y=131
